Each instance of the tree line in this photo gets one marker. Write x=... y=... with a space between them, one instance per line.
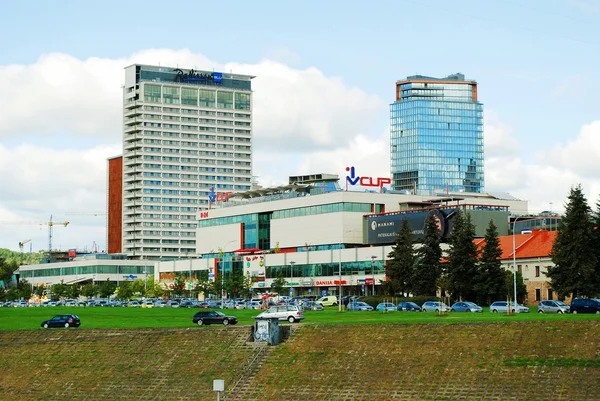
x=236 y=285
x=465 y=272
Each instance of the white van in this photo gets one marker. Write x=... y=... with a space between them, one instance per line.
x=330 y=300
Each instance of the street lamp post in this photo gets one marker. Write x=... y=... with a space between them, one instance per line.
x=223 y=268
x=340 y=272
x=373 y=274
x=514 y=265
x=292 y=263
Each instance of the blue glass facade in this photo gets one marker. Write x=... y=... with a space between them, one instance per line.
x=436 y=135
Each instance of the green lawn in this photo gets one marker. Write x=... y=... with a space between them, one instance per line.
x=103 y=317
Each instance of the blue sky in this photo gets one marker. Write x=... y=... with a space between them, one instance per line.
x=536 y=63
x=532 y=59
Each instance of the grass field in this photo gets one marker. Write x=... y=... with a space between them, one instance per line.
x=114 y=318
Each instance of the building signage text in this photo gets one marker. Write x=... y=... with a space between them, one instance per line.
x=329 y=282
x=196 y=76
x=353 y=179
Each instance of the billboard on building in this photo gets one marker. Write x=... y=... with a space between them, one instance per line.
x=383 y=229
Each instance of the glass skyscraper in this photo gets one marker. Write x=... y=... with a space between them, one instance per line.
x=436 y=130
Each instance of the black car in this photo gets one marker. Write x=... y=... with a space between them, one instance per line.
x=409 y=306
x=585 y=305
x=216 y=317
x=62 y=321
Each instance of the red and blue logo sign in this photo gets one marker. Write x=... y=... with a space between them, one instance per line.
x=354 y=179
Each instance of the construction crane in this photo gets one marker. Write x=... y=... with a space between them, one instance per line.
x=22 y=243
x=86 y=214
x=49 y=223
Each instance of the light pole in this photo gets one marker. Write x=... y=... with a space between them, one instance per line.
x=223 y=268
x=340 y=272
x=373 y=273
x=190 y=269
x=292 y=263
x=145 y=281
x=515 y=265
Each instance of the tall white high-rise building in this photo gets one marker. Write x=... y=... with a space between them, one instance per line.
x=184 y=133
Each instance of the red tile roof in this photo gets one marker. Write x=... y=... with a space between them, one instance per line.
x=537 y=244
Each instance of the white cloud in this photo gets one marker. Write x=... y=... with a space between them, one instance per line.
x=305 y=122
x=579 y=155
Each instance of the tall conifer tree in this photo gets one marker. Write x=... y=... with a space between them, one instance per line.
x=401 y=265
x=462 y=258
x=428 y=268
x=573 y=253
x=490 y=274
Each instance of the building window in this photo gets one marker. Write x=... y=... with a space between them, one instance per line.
x=171 y=95
x=207 y=98
x=189 y=96
x=224 y=100
x=538 y=294
x=550 y=293
x=537 y=271
x=242 y=101
x=152 y=93
x=520 y=269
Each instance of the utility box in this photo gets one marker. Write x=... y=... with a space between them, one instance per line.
x=266 y=330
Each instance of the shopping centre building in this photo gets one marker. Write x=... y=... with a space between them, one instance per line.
x=319 y=236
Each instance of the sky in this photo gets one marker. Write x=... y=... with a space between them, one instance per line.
x=325 y=76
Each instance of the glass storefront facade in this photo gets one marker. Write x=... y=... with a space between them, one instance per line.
x=436 y=132
x=316 y=270
x=92 y=269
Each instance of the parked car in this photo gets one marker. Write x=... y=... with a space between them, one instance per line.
x=147 y=304
x=213 y=317
x=358 y=306
x=310 y=305
x=585 y=305
x=291 y=313
x=466 y=307
x=553 y=307
x=435 y=306
x=330 y=300
x=386 y=307
x=62 y=321
x=502 y=306
x=253 y=305
x=409 y=306
x=187 y=304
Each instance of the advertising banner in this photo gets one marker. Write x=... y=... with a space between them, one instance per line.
x=384 y=229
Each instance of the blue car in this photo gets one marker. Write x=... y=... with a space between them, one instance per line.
x=409 y=307
x=466 y=307
x=386 y=307
x=358 y=306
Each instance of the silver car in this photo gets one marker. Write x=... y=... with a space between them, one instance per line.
x=291 y=313
x=553 y=307
x=435 y=306
x=502 y=306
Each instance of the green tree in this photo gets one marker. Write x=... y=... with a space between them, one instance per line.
x=179 y=286
x=12 y=294
x=107 y=289
x=216 y=287
x=462 y=258
x=24 y=289
x=90 y=290
x=509 y=288
x=573 y=252
x=7 y=268
x=428 y=268
x=138 y=286
x=235 y=285
x=279 y=283
x=490 y=275
x=74 y=290
x=154 y=290
x=2 y=294
x=41 y=290
x=596 y=240
x=203 y=286
x=400 y=267
x=124 y=290
x=59 y=290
